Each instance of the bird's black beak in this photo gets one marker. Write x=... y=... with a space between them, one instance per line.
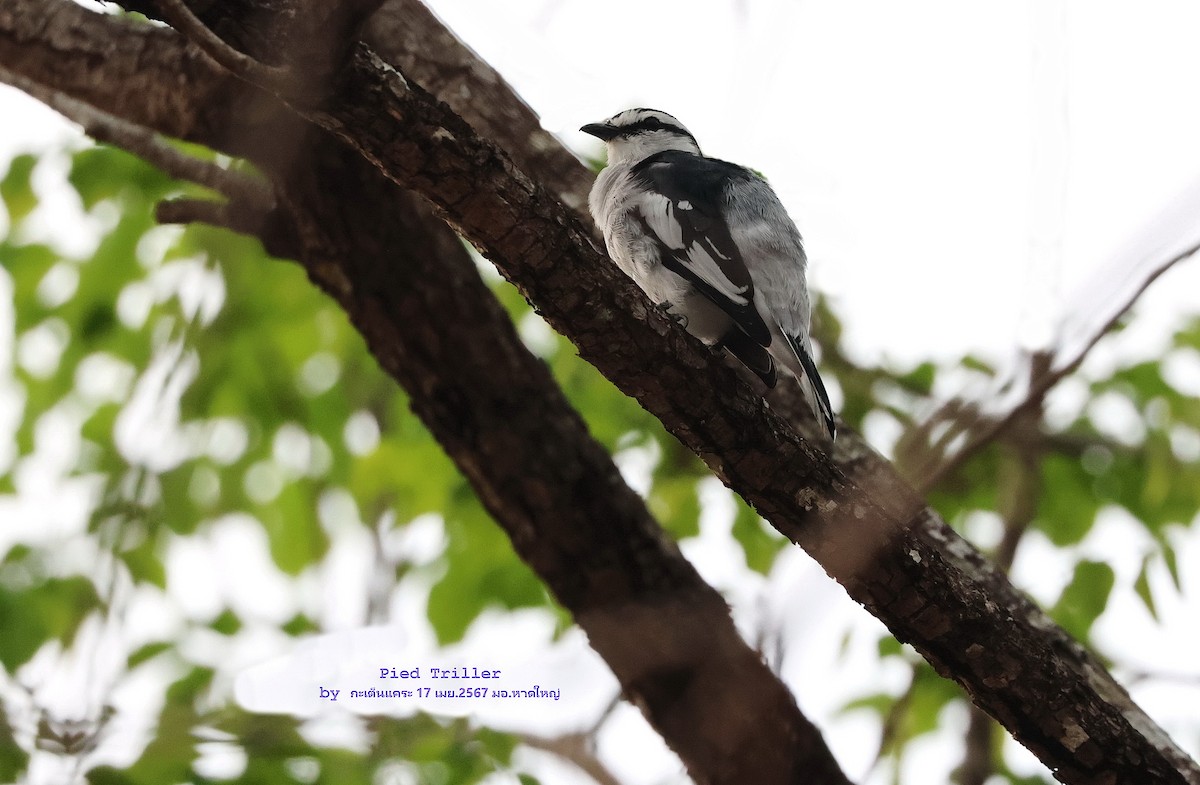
x=600 y=130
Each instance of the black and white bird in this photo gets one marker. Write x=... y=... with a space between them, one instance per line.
x=710 y=242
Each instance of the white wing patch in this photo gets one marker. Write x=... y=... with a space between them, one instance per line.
x=660 y=216
x=659 y=213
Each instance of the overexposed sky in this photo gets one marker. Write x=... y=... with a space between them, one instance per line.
x=956 y=168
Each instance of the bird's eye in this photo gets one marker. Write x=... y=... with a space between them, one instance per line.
x=648 y=125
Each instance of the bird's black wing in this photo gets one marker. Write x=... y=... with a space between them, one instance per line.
x=812 y=386
x=681 y=206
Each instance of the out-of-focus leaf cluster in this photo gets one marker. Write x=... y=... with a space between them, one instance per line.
x=201 y=380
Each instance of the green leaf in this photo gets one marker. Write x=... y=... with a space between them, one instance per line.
x=13 y=759
x=17 y=554
x=300 y=625
x=1171 y=559
x=16 y=189
x=177 y=512
x=674 y=493
x=272 y=770
x=673 y=500
x=972 y=487
x=919 y=379
x=27 y=265
x=107 y=775
x=1142 y=587
x=888 y=646
x=147 y=653
x=413 y=475
x=265 y=736
x=929 y=695
x=976 y=364
x=1068 y=509
x=227 y=623
x=98 y=428
x=1142 y=382
x=760 y=542
x=51 y=610
x=343 y=767
x=879 y=703
x=482 y=572
x=102 y=172
x=444 y=752
x=295 y=535
x=1084 y=598
x=187 y=689
x=169 y=755
x=913 y=714
x=1152 y=484
x=145 y=563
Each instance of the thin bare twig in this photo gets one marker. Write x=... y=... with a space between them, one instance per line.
x=604 y=715
x=1039 y=387
x=576 y=748
x=228 y=215
x=889 y=730
x=249 y=192
x=242 y=65
x=579 y=748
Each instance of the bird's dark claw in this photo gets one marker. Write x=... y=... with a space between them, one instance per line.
x=679 y=318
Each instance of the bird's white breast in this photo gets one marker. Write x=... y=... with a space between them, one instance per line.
x=615 y=204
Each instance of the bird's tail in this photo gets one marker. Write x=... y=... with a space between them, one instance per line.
x=752 y=354
x=813 y=387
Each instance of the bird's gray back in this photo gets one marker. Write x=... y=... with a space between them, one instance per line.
x=765 y=233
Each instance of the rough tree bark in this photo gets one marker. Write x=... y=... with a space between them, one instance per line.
x=849 y=510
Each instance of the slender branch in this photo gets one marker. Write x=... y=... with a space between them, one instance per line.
x=977 y=765
x=986 y=429
x=241 y=65
x=605 y=715
x=889 y=730
x=578 y=748
x=251 y=192
x=232 y=215
x=185 y=211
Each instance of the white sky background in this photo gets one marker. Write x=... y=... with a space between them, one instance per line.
x=910 y=141
x=959 y=170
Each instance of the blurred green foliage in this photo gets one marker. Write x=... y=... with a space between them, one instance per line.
x=260 y=378
x=269 y=405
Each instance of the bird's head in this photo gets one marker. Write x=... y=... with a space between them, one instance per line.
x=636 y=133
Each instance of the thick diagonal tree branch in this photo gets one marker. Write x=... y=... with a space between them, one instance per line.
x=407 y=35
x=852 y=513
